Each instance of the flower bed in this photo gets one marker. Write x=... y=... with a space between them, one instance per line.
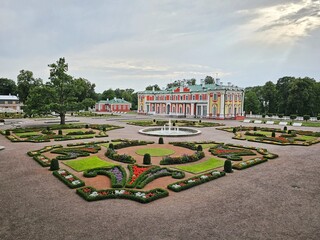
x=117 y=175
x=69 y=179
x=248 y=163
x=136 y=174
x=72 y=153
x=86 y=143
x=123 y=143
x=183 y=159
x=42 y=160
x=195 y=181
x=91 y=194
x=232 y=153
x=112 y=154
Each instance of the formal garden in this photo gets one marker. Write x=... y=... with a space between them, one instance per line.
x=276 y=136
x=143 y=171
x=175 y=123
x=58 y=132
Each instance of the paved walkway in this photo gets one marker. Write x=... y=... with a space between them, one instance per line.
x=275 y=200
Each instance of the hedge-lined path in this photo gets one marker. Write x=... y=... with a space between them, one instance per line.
x=279 y=199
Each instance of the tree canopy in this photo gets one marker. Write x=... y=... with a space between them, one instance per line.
x=7 y=86
x=61 y=94
x=26 y=82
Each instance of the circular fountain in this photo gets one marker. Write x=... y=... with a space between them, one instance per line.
x=168 y=130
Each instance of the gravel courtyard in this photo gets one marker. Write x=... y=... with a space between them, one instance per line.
x=279 y=199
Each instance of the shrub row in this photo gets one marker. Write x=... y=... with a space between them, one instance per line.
x=85 y=143
x=182 y=159
x=91 y=194
x=69 y=179
x=112 y=154
x=117 y=175
x=195 y=181
x=42 y=160
x=249 y=163
x=129 y=143
x=42 y=150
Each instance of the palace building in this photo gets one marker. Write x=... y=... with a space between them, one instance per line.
x=215 y=101
x=10 y=103
x=113 y=105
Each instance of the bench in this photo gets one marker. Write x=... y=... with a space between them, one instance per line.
x=283 y=123
x=270 y=122
x=246 y=120
x=257 y=121
x=296 y=124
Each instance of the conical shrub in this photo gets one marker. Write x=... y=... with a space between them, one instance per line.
x=146 y=159
x=228 y=166
x=54 y=165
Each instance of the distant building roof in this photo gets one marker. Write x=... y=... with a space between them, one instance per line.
x=9 y=97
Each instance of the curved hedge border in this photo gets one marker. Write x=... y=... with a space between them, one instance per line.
x=117 y=175
x=69 y=179
x=91 y=194
x=85 y=143
x=129 y=143
x=182 y=159
x=42 y=160
x=72 y=153
x=136 y=174
x=248 y=163
x=112 y=154
x=42 y=150
x=195 y=181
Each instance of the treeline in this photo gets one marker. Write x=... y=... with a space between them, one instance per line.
x=128 y=94
x=290 y=95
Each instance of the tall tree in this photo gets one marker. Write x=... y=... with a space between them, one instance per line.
x=156 y=87
x=7 y=86
x=209 y=80
x=269 y=94
x=58 y=95
x=191 y=81
x=282 y=87
x=84 y=89
x=251 y=102
x=108 y=94
x=26 y=82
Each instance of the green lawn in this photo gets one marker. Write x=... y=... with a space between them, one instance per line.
x=27 y=134
x=304 y=137
x=311 y=124
x=155 y=152
x=87 y=163
x=208 y=145
x=202 y=167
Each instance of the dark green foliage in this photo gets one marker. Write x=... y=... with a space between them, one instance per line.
x=160 y=140
x=289 y=131
x=293 y=116
x=129 y=143
x=111 y=146
x=48 y=129
x=200 y=121
x=273 y=134
x=199 y=148
x=318 y=117
x=280 y=115
x=104 y=128
x=72 y=182
x=54 y=165
x=154 y=120
x=147 y=159
x=248 y=163
x=112 y=154
x=263 y=115
x=228 y=166
x=7 y=132
x=174 y=124
x=254 y=128
x=285 y=128
x=59 y=132
x=306 y=117
x=234 y=130
x=87 y=126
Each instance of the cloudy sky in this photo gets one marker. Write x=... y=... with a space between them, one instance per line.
x=136 y=43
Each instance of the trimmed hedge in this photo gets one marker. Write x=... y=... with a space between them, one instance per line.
x=195 y=181
x=91 y=194
x=42 y=160
x=112 y=154
x=69 y=179
x=248 y=163
x=182 y=159
x=42 y=150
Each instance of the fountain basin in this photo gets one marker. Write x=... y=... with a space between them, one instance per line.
x=170 y=132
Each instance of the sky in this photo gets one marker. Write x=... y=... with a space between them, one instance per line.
x=137 y=43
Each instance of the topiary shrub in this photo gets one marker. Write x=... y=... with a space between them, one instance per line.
x=254 y=128
x=273 y=134
x=289 y=132
x=280 y=115
x=160 y=140
x=60 y=132
x=263 y=115
x=200 y=121
x=174 y=124
x=199 y=148
x=285 y=128
x=234 y=130
x=147 y=159
x=228 y=166
x=87 y=126
x=104 y=129
x=7 y=132
x=306 y=117
x=111 y=146
x=48 y=129
x=54 y=165
x=318 y=117
x=154 y=120
x=293 y=116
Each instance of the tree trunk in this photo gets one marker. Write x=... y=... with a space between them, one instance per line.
x=62 y=118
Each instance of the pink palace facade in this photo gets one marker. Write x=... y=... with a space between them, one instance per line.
x=215 y=101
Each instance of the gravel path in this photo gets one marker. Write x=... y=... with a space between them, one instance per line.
x=275 y=200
